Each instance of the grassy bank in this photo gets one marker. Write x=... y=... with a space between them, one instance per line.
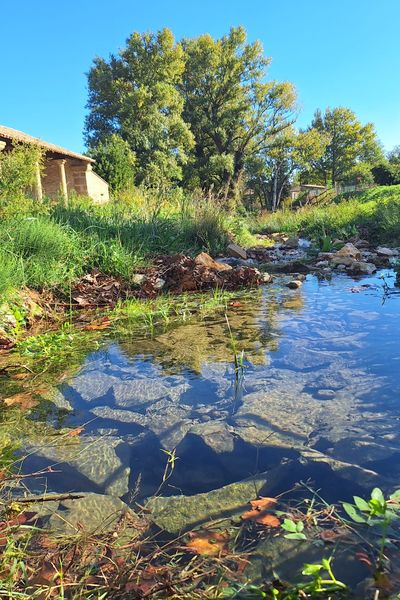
x=49 y=245
x=374 y=214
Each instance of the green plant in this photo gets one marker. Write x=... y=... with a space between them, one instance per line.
x=294 y=528
x=323 y=578
x=377 y=511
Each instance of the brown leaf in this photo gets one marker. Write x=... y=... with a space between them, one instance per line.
x=208 y=543
x=330 y=535
x=75 y=432
x=262 y=503
x=22 y=399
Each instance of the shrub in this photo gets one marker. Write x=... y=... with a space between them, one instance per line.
x=18 y=169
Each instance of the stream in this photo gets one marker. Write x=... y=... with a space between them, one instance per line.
x=316 y=399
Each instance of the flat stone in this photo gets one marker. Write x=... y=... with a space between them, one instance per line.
x=94 y=513
x=178 y=513
x=87 y=463
x=386 y=252
x=325 y=394
x=236 y=251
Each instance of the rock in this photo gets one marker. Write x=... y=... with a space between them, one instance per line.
x=249 y=262
x=292 y=243
x=236 y=251
x=177 y=513
x=362 y=268
x=338 y=242
x=159 y=284
x=348 y=251
x=266 y=278
x=322 y=263
x=361 y=244
x=94 y=513
x=295 y=284
x=88 y=463
x=386 y=252
x=325 y=394
x=203 y=259
x=138 y=279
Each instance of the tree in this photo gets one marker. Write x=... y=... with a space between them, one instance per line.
x=290 y=153
x=350 y=143
x=135 y=95
x=115 y=162
x=232 y=111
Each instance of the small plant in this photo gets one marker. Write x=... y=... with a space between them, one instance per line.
x=377 y=511
x=295 y=529
x=323 y=578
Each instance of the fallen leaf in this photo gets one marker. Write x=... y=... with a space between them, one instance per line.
x=75 y=432
x=235 y=304
x=263 y=518
x=23 y=400
x=263 y=503
x=208 y=543
x=99 y=325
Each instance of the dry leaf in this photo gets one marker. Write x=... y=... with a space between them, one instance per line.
x=209 y=543
x=75 y=432
x=23 y=400
x=263 y=503
x=19 y=376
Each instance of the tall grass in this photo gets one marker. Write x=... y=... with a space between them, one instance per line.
x=374 y=214
x=55 y=246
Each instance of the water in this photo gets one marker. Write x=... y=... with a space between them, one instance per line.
x=321 y=383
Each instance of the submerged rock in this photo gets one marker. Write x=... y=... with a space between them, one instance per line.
x=89 y=464
x=294 y=284
x=178 y=513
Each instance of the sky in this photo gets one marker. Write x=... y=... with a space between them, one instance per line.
x=336 y=52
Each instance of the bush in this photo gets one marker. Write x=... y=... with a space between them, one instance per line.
x=18 y=169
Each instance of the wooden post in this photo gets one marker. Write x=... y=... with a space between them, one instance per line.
x=38 y=186
x=63 y=180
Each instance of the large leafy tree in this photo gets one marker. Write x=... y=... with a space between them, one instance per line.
x=290 y=153
x=232 y=110
x=135 y=95
x=350 y=143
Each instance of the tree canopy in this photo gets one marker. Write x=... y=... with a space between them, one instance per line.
x=203 y=114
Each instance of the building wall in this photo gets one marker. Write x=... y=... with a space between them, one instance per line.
x=97 y=188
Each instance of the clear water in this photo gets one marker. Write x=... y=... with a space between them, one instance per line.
x=321 y=373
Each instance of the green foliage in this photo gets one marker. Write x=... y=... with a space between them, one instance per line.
x=350 y=143
x=232 y=110
x=375 y=212
x=295 y=529
x=134 y=95
x=115 y=162
x=18 y=169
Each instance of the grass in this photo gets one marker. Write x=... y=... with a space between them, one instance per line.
x=374 y=213
x=51 y=245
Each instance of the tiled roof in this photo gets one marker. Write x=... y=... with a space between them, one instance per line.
x=20 y=136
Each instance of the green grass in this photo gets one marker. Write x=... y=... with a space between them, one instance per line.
x=374 y=213
x=55 y=245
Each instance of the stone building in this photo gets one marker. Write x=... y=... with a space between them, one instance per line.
x=63 y=171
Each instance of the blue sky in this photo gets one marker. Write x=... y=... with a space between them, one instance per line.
x=336 y=52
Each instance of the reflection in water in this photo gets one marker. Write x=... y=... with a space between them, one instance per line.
x=321 y=372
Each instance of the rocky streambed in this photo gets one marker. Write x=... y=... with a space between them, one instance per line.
x=314 y=399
